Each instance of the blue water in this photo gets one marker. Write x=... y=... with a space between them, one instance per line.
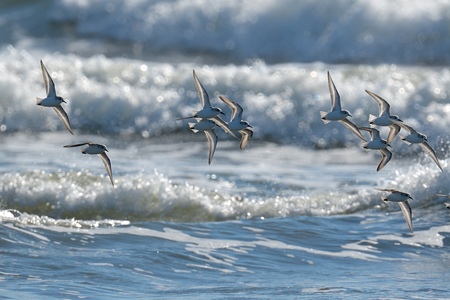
x=293 y=215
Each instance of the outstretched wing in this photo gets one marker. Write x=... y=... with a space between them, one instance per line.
x=394 y=130
x=387 y=190
x=353 y=128
x=49 y=84
x=407 y=213
x=335 y=98
x=386 y=157
x=62 y=115
x=427 y=148
x=77 y=145
x=236 y=109
x=222 y=124
x=107 y=163
x=204 y=98
x=212 y=140
x=383 y=105
x=247 y=135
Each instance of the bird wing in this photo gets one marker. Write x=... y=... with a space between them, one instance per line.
x=49 y=84
x=247 y=135
x=405 y=126
x=386 y=157
x=407 y=213
x=77 y=145
x=222 y=124
x=236 y=109
x=107 y=163
x=394 y=130
x=353 y=128
x=374 y=133
x=204 y=98
x=335 y=98
x=427 y=148
x=387 y=190
x=212 y=139
x=383 y=105
x=62 y=115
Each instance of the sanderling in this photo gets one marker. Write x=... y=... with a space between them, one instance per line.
x=207 y=110
x=377 y=143
x=385 y=118
x=336 y=113
x=96 y=149
x=402 y=199
x=52 y=100
x=236 y=123
x=415 y=137
x=207 y=126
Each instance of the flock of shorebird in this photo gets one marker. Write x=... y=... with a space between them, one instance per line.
x=55 y=101
x=208 y=118
x=395 y=124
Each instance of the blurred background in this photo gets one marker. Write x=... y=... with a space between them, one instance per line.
x=125 y=67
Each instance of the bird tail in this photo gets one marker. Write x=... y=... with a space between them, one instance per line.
x=39 y=101
x=192 y=127
x=322 y=116
x=371 y=118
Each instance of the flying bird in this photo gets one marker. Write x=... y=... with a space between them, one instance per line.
x=207 y=110
x=236 y=123
x=402 y=199
x=52 y=100
x=415 y=137
x=207 y=126
x=384 y=118
x=337 y=113
x=99 y=149
x=377 y=143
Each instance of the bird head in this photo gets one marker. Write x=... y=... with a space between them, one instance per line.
x=346 y=112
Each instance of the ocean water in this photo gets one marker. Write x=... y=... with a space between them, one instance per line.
x=292 y=216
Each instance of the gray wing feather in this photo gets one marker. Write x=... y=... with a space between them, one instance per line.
x=49 y=84
x=222 y=124
x=204 y=98
x=247 y=135
x=231 y=105
x=387 y=190
x=386 y=157
x=212 y=140
x=335 y=98
x=427 y=148
x=352 y=127
x=407 y=213
x=394 y=130
x=76 y=145
x=383 y=105
x=62 y=115
x=107 y=163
